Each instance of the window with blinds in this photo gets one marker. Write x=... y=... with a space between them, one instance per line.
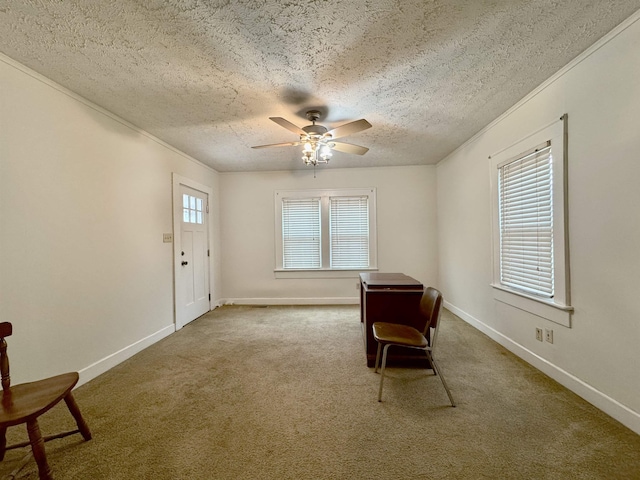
x=349 y=232
x=530 y=235
x=525 y=187
x=301 y=241
x=325 y=232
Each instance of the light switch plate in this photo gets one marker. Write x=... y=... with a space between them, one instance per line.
x=167 y=237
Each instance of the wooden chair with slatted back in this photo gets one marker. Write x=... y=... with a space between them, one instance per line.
x=24 y=403
x=388 y=334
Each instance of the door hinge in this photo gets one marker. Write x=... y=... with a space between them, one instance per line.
x=207 y=208
x=208 y=254
x=209 y=297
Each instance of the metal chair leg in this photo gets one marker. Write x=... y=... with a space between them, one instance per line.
x=378 y=358
x=438 y=372
x=384 y=364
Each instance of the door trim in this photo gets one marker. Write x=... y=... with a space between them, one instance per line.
x=177 y=181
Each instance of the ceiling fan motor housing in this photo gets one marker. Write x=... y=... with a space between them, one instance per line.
x=318 y=130
x=314 y=130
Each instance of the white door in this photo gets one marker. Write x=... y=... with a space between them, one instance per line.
x=192 y=262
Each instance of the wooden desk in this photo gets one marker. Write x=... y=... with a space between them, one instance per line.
x=395 y=298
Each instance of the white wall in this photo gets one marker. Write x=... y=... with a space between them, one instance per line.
x=599 y=356
x=406 y=209
x=85 y=277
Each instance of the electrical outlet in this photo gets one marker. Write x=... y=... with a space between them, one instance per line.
x=539 y=334
x=548 y=335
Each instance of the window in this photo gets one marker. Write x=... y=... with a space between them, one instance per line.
x=530 y=233
x=526 y=228
x=325 y=231
x=301 y=233
x=349 y=232
x=191 y=209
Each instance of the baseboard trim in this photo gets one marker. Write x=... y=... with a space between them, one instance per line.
x=292 y=301
x=110 y=361
x=608 y=405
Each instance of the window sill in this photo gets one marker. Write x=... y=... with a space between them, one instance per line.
x=547 y=309
x=321 y=273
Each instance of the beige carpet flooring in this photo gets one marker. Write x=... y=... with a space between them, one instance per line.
x=285 y=393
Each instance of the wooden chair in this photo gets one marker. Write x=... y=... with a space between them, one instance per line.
x=388 y=334
x=26 y=402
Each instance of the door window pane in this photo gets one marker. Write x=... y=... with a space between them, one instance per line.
x=193 y=209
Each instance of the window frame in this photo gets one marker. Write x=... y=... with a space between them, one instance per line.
x=557 y=308
x=325 y=271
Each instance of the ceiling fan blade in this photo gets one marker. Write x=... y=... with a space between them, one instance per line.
x=349 y=128
x=288 y=144
x=288 y=125
x=348 y=148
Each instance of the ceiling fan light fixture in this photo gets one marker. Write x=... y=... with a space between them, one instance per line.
x=307 y=157
x=320 y=153
x=317 y=141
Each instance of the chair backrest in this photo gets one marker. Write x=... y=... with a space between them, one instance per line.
x=430 y=306
x=6 y=329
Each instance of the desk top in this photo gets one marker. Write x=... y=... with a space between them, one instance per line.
x=390 y=281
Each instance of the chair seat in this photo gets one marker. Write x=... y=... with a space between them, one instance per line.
x=398 y=334
x=30 y=400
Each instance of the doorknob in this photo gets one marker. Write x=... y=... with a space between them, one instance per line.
x=185 y=263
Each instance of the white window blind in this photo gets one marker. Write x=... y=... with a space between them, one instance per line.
x=325 y=233
x=301 y=240
x=526 y=222
x=349 y=232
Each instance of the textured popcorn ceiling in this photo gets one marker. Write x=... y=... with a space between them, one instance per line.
x=204 y=76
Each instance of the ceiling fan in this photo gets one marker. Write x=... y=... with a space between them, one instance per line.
x=318 y=141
